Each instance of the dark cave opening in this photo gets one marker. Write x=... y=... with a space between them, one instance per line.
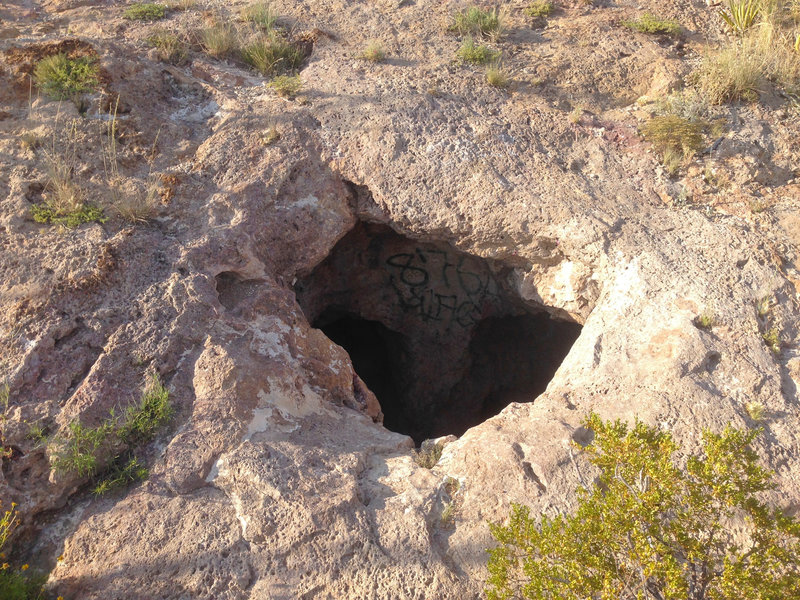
x=438 y=335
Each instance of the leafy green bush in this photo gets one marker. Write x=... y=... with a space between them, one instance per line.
x=477 y=54
x=649 y=23
x=63 y=78
x=476 y=21
x=145 y=11
x=653 y=529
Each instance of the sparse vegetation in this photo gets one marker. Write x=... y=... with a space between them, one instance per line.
x=539 y=9
x=763 y=306
x=755 y=410
x=287 y=86
x=16 y=583
x=448 y=517
x=374 y=52
x=773 y=340
x=476 y=21
x=171 y=49
x=64 y=78
x=741 y=14
x=762 y=53
x=705 y=321
x=219 y=40
x=676 y=139
x=650 y=23
x=145 y=11
x=260 y=14
x=121 y=476
x=142 y=421
x=476 y=54
x=428 y=454
x=272 y=55
x=497 y=77
x=81 y=450
x=652 y=528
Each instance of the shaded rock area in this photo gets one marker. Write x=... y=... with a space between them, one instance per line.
x=429 y=329
x=399 y=252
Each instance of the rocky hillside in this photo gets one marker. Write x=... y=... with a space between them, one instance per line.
x=252 y=255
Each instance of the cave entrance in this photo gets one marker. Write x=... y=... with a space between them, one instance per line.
x=436 y=334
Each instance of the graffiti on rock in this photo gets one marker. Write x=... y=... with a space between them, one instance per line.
x=431 y=285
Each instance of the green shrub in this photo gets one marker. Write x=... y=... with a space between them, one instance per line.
x=170 y=47
x=731 y=73
x=476 y=21
x=477 y=54
x=260 y=14
x=539 y=9
x=85 y=213
x=652 y=529
x=287 y=86
x=80 y=450
x=121 y=476
x=741 y=15
x=272 y=55
x=705 y=321
x=649 y=23
x=141 y=421
x=773 y=340
x=63 y=78
x=145 y=11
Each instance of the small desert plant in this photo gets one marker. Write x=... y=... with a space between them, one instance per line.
x=539 y=9
x=272 y=55
x=120 y=476
x=497 y=77
x=145 y=11
x=260 y=14
x=428 y=454
x=38 y=433
x=16 y=584
x=64 y=202
x=219 y=40
x=476 y=21
x=374 y=52
x=676 y=139
x=773 y=340
x=170 y=47
x=755 y=410
x=705 y=321
x=741 y=14
x=763 y=306
x=649 y=23
x=731 y=73
x=654 y=527
x=141 y=421
x=287 y=86
x=79 y=451
x=448 y=517
x=476 y=54
x=63 y=78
